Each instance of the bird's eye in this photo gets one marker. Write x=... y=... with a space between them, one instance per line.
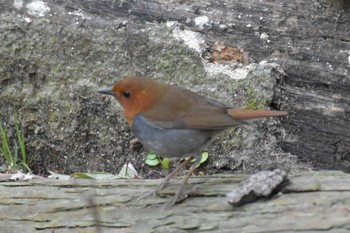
x=126 y=94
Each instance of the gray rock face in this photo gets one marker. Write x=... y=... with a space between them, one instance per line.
x=55 y=55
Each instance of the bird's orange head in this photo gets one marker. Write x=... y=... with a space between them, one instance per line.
x=136 y=95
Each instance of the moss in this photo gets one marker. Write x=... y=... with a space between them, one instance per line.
x=56 y=68
x=231 y=139
x=253 y=102
x=54 y=117
x=53 y=39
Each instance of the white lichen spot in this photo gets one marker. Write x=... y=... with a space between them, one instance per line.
x=227 y=69
x=85 y=82
x=27 y=20
x=348 y=52
x=78 y=12
x=170 y=23
x=265 y=37
x=18 y=4
x=261 y=18
x=201 y=21
x=248 y=25
x=193 y=40
x=222 y=26
x=239 y=16
x=329 y=66
x=37 y=8
x=234 y=71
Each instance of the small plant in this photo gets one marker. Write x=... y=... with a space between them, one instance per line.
x=153 y=160
x=11 y=158
x=204 y=158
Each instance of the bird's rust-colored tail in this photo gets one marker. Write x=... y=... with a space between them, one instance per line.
x=245 y=114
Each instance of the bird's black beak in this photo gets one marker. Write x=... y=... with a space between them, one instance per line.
x=107 y=91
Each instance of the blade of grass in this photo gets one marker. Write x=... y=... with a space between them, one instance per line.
x=13 y=160
x=5 y=149
x=20 y=139
x=25 y=166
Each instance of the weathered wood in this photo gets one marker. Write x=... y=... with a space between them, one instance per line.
x=314 y=202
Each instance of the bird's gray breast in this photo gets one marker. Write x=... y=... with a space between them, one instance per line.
x=170 y=142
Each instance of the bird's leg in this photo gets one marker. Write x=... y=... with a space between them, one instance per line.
x=180 y=195
x=166 y=180
x=173 y=173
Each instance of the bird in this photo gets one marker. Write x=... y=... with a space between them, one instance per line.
x=175 y=122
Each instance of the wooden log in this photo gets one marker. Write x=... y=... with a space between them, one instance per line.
x=317 y=201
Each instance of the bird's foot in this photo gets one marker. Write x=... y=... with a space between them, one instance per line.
x=182 y=195
x=150 y=193
x=155 y=191
x=162 y=185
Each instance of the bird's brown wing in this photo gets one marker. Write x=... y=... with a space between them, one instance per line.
x=185 y=109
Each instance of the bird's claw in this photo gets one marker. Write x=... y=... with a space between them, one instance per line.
x=154 y=192
x=181 y=195
x=147 y=194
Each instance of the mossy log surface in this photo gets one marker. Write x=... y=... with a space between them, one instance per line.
x=314 y=202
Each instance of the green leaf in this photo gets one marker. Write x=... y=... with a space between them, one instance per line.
x=152 y=162
x=21 y=141
x=5 y=149
x=204 y=158
x=166 y=163
x=80 y=175
x=25 y=166
x=151 y=156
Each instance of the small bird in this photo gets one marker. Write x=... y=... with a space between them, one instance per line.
x=175 y=122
